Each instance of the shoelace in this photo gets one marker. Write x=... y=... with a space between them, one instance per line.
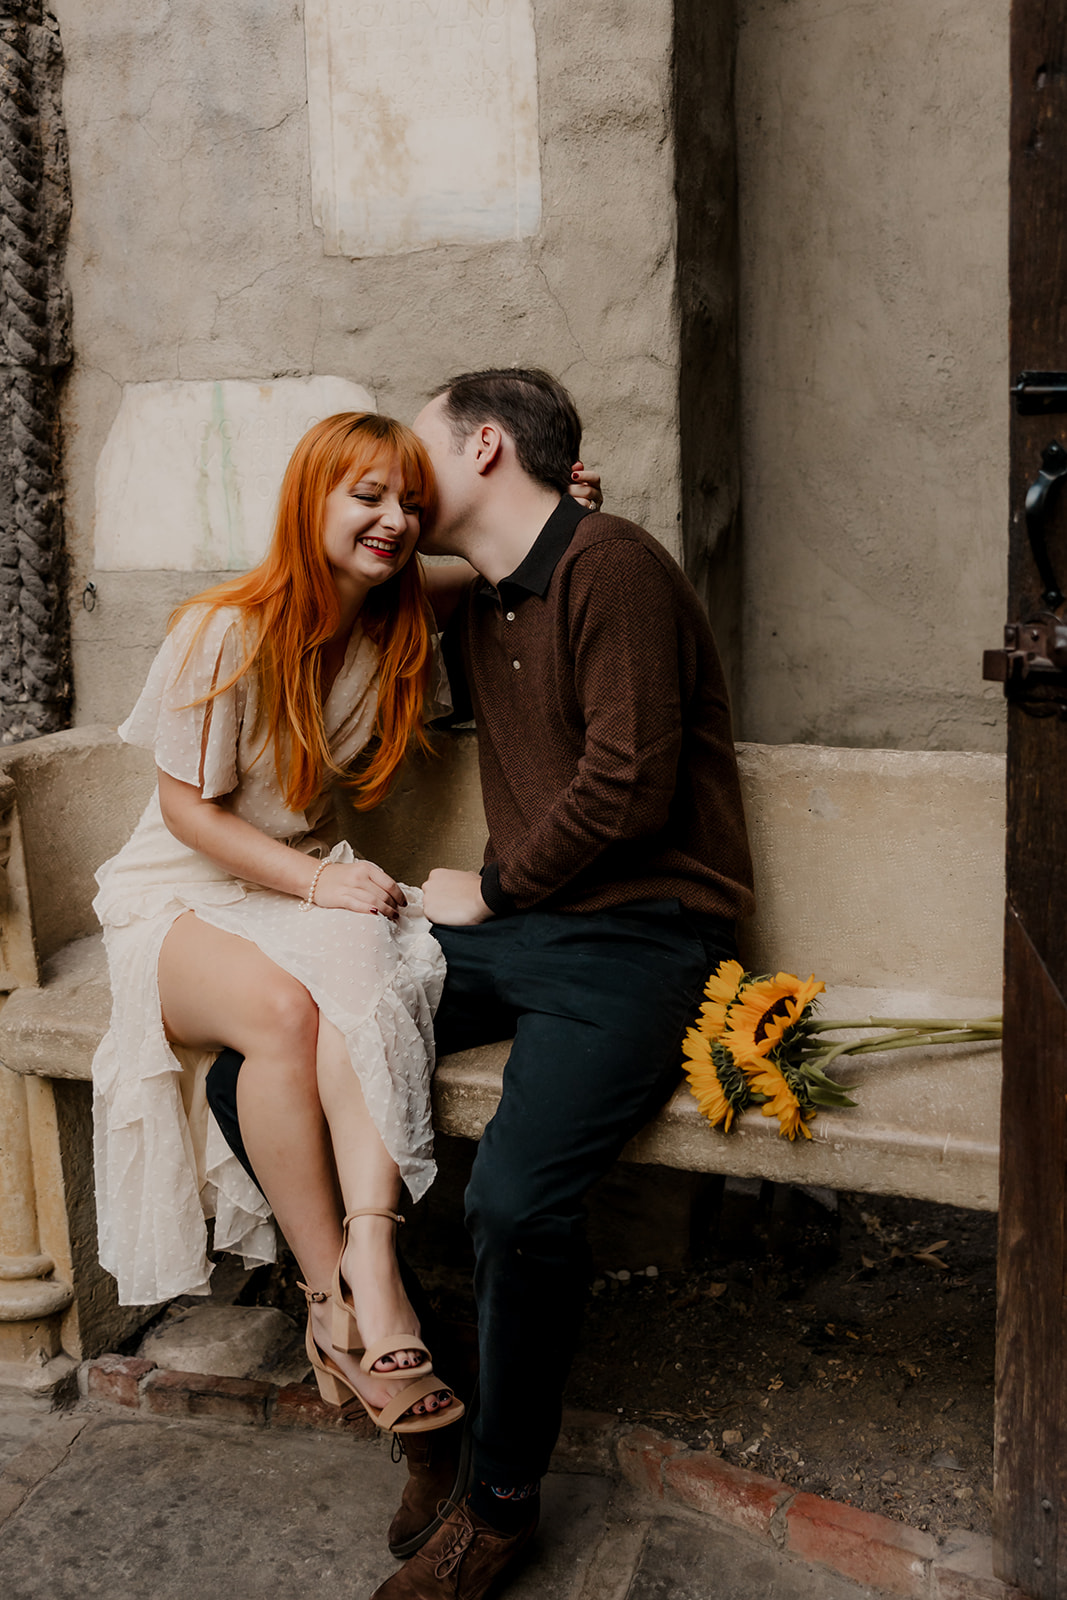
x=455 y=1552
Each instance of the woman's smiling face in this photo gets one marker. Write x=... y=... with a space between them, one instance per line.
x=370 y=529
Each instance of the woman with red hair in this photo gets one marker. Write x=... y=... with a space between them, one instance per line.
x=233 y=917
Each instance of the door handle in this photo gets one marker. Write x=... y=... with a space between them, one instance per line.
x=1038 y=501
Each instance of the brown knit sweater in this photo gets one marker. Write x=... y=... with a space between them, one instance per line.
x=607 y=762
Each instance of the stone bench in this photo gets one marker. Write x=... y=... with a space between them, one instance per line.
x=881 y=871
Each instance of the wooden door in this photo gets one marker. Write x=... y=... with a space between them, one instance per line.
x=1030 y=1491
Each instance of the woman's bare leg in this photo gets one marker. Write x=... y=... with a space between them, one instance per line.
x=217 y=989
x=368 y=1176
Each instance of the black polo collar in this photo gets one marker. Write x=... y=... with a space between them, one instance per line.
x=534 y=574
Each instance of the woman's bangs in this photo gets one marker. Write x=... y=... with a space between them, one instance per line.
x=416 y=471
x=380 y=443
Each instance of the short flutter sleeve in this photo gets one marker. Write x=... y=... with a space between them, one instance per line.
x=193 y=740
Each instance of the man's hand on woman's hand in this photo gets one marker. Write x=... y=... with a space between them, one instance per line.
x=585 y=487
x=454 y=898
x=358 y=886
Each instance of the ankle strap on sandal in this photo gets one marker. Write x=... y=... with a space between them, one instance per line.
x=374 y=1211
x=318 y=1295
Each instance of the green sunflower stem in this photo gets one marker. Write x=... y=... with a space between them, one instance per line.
x=994 y=1025
x=904 y=1041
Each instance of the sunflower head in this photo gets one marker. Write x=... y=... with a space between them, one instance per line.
x=781 y=1100
x=721 y=992
x=719 y=1086
x=765 y=1013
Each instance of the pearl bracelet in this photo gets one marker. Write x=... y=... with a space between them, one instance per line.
x=306 y=905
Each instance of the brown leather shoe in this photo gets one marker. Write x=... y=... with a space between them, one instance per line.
x=439 y=1470
x=461 y=1561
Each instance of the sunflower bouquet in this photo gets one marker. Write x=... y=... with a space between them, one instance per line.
x=757 y=1042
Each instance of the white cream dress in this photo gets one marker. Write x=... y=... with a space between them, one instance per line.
x=162 y=1164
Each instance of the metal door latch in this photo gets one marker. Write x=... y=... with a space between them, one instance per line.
x=1040 y=393
x=1032 y=665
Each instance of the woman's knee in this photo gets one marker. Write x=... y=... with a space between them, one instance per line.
x=287 y=1020
x=216 y=988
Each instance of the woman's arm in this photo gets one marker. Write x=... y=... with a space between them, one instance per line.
x=444 y=585
x=210 y=827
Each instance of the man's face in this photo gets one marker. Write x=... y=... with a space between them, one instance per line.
x=456 y=477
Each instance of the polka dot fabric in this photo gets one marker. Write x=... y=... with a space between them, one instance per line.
x=162 y=1165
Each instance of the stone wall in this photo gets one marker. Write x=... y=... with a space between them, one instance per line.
x=195 y=257
x=873 y=149
x=213 y=210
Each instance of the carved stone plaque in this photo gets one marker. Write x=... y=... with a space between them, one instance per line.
x=188 y=478
x=423 y=123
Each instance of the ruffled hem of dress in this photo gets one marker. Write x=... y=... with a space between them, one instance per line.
x=165 y=1149
x=157 y=1249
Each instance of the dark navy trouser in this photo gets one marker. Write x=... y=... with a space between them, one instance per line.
x=597 y=1003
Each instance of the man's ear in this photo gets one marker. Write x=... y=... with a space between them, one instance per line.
x=488 y=447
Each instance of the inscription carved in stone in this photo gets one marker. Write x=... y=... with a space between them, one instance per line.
x=188 y=478
x=423 y=123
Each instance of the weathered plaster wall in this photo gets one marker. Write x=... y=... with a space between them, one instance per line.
x=193 y=255
x=873 y=156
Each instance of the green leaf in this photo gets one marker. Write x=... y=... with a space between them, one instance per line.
x=830 y=1097
x=815 y=1074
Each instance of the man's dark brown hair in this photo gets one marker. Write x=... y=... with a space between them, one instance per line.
x=531 y=406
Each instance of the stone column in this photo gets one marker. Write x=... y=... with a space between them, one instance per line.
x=34 y=347
x=32 y=1301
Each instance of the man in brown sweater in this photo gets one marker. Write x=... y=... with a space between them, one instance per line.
x=616 y=868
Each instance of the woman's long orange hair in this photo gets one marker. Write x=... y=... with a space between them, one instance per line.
x=290 y=610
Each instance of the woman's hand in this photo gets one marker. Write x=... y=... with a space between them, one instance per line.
x=357 y=886
x=585 y=487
